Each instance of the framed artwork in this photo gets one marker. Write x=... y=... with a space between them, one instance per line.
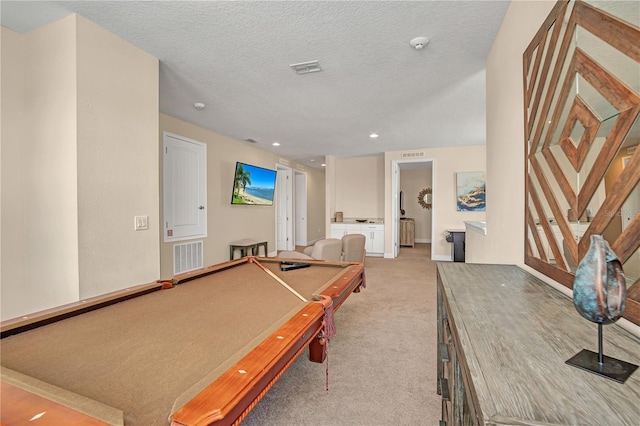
x=470 y=191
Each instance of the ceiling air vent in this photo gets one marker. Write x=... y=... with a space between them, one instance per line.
x=306 y=67
x=251 y=140
x=631 y=150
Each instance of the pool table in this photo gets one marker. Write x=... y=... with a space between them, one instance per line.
x=200 y=349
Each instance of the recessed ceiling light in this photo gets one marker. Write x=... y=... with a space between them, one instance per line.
x=373 y=135
x=199 y=106
x=323 y=165
x=312 y=160
x=276 y=144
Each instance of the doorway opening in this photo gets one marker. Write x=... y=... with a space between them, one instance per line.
x=300 y=210
x=291 y=208
x=412 y=224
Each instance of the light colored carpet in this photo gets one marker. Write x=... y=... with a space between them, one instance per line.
x=382 y=362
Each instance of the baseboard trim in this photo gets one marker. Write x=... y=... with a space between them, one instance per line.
x=440 y=257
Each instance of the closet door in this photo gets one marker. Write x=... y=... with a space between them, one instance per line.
x=184 y=188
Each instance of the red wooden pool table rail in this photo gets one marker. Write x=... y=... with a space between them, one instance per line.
x=236 y=394
x=231 y=396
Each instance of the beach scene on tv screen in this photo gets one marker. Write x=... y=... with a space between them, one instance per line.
x=253 y=185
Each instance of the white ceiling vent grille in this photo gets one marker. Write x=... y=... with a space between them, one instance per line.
x=413 y=154
x=187 y=257
x=306 y=67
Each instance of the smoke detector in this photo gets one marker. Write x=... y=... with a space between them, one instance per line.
x=199 y=106
x=419 y=43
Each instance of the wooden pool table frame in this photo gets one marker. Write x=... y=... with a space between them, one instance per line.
x=228 y=399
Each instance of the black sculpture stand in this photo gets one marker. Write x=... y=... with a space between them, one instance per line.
x=597 y=363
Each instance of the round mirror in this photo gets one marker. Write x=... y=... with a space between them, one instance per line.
x=424 y=198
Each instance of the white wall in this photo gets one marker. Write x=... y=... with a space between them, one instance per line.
x=227 y=223
x=118 y=166
x=346 y=177
x=316 y=227
x=82 y=122
x=81 y=157
x=12 y=180
x=504 y=242
x=359 y=193
x=39 y=207
x=446 y=163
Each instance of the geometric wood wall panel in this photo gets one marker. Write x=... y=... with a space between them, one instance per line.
x=581 y=76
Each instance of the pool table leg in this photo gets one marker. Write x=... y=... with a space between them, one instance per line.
x=317 y=351
x=318 y=346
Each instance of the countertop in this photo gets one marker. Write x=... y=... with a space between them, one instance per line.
x=480 y=227
x=352 y=221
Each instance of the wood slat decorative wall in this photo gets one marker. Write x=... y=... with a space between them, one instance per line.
x=582 y=102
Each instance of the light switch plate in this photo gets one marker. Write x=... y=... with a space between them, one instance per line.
x=141 y=223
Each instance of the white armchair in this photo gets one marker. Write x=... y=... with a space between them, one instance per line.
x=353 y=248
x=327 y=249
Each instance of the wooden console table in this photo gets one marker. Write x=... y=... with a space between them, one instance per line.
x=247 y=247
x=504 y=337
x=407 y=232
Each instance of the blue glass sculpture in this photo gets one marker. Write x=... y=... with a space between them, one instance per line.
x=599 y=295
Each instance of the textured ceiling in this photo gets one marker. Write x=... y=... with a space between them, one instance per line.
x=235 y=57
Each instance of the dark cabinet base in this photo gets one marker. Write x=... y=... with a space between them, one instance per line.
x=458 y=246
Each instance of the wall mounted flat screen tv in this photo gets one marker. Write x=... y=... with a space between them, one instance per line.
x=253 y=185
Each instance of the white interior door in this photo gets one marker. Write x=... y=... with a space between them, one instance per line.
x=184 y=188
x=300 y=211
x=284 y=209
x=395 y=217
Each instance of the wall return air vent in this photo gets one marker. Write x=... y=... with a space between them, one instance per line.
x=187 y=257
x=413 y=154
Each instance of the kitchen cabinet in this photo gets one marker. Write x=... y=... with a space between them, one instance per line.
x=338 y=230
x=375 y=239
x=374 y=233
